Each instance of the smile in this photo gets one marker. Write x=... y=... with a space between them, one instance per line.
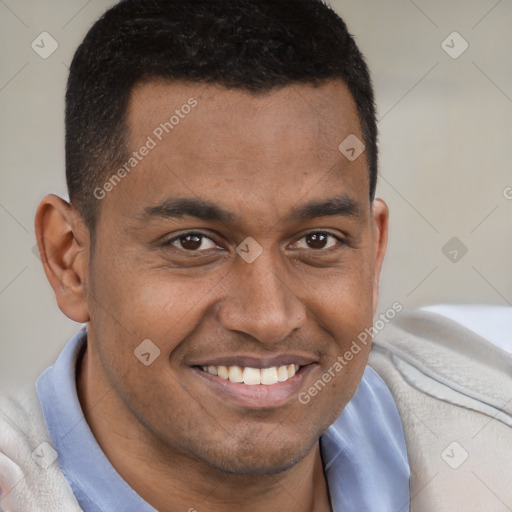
x=248 y=387
x=253 y=376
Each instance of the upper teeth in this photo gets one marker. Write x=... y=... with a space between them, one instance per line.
x=252 y=376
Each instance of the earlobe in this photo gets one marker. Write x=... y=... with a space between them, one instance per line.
x=63 y=242
x=380 y=218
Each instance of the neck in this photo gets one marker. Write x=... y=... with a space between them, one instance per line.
x=171 y=481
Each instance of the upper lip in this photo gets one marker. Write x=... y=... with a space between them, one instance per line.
x=251 y=361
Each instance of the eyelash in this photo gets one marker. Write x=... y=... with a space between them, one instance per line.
x=204 y=235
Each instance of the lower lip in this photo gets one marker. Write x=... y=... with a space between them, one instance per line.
x=259 y=396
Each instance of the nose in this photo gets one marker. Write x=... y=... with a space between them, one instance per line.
x=260 y=303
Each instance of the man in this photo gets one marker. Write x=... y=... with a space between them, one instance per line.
x=223 y=244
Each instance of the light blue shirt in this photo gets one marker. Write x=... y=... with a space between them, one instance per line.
x=364 y=451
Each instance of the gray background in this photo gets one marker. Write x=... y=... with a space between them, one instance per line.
x=445 y=142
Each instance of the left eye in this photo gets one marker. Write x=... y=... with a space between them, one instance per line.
x=317 y=240
x=193 y=242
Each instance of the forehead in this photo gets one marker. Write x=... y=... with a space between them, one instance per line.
x=223 y=145
x=300 y=114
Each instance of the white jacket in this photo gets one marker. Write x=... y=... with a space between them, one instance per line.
x=453 y=390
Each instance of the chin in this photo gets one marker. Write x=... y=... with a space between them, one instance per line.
x=255 y=467
x=259 y=467
x=248 y=457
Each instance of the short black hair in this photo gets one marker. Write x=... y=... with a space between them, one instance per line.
x=254 y=45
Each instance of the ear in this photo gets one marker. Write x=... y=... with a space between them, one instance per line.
x=380 y=217
x=63 y=241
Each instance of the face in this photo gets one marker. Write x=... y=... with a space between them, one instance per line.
x=242 y=238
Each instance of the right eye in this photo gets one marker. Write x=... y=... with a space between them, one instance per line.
x=192 y=242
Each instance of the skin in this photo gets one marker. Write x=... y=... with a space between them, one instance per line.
x=176 y=441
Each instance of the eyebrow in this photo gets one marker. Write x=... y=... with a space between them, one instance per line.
x=170 y=208
x=342 y=205
x=181 y=207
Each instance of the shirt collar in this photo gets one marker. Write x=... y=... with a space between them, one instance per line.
x=364 y=451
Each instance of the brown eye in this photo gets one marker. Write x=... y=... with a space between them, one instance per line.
x=192 y=242
x=318 y=240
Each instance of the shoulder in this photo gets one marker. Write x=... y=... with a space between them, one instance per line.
x=431 y=352
x=30 y=477
x=453 y=390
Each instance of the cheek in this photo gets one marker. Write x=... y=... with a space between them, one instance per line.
x=147 y=302
x=345 y=309
x=144 y=312
x=343 y=301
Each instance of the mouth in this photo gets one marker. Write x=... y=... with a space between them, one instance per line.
x=251 y=388
x=253 y=376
